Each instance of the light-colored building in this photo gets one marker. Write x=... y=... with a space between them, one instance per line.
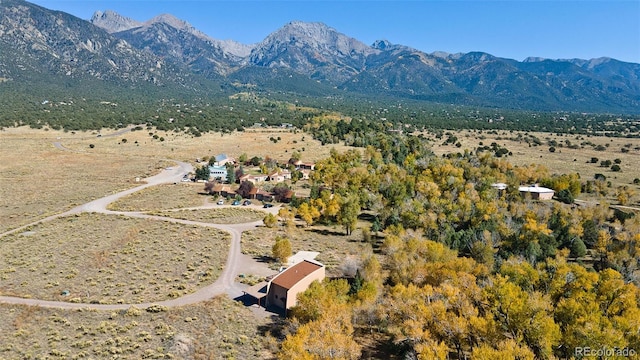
x=223 y=159
x=218 y=172
x=280 y=175
x=303 y=165
x=499 y=186
x=254 y=179
x=284 y=288
x=537 y=192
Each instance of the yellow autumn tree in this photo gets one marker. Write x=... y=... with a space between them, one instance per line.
x=281 y=250
x=505 y=350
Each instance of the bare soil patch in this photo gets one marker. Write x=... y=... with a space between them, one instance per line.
x=225 y=215
x=162 y=197
x=110 y=259
x=216 y=329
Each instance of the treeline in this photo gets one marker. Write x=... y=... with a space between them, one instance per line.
x=201 y=115
x=79 y=105
x=464 y=269
x=429 y=115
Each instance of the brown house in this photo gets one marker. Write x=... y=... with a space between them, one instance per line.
x=284 y=288
x=264 y=196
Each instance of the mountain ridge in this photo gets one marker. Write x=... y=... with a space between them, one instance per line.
x=166 y=50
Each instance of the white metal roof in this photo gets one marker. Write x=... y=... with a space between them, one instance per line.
x=535 y=189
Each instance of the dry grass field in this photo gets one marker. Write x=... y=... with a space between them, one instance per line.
x=227 y=215
x=564 y=159
x=110 y=259
x=216 y=329
x=39 y=179
x=334 y=247
x=162 y=197
x=186 y=147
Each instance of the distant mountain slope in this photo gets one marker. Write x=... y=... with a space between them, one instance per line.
x=312 y=49
x=36 y=43
x=113 y=22
x=39 y=46
x=167 y=36
x=164 y=40
x=401 y=70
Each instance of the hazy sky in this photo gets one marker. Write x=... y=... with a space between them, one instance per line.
x=513 y=29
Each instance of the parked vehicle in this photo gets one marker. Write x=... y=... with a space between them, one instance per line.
x=246 y=202
x=220 y=202
x=266 y=206
x=235 y=202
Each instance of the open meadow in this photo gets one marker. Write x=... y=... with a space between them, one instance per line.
x=570 y=153
x=93 y=258
x=162 y=197
x=44 y=172
x=226 y=215
x=217 y=329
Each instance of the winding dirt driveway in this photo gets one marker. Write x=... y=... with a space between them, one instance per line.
x=236 y=261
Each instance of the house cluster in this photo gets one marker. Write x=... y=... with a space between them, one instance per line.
x=226 y=190
x=218 y=172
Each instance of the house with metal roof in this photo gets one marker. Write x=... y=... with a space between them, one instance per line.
x=537 y=192
x=223 y=159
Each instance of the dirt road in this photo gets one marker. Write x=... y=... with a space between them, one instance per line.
x=236 y=261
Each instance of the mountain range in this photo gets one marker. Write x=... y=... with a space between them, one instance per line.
x=40 y=48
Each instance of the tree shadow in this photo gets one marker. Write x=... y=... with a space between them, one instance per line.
x=367 y=217
x=264 y=259
x=326 y=232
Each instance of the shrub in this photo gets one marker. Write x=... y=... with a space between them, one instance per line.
x=565 y=196
x=600 y=177
x=578 y=248
x=91 y=146
x=133 y=311
x=270 y=220
x=155 y=308
x=552 y=149
x=615 y=168
x=281 y=249
x=594 y=160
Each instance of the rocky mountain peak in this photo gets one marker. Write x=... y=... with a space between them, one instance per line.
x=234 y=48
x=312 y=48
x=317 y=36
x=176 y=23
x=381 y=45
x=113 y=22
